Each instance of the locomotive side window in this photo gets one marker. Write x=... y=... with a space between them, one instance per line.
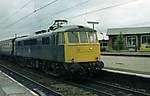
x=19 y=43
x=33 y=42
x=45 y=40
x=60 y=38
x=92 y=37
x=73 y=37
x=30 y=42
x=26 y=42
x=83 y=37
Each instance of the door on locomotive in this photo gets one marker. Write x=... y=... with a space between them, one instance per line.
x=59 y=47
x=82 y=47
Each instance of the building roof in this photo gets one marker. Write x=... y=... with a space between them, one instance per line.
x=129 y=30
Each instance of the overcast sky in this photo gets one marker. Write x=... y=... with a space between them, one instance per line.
x=19 y=16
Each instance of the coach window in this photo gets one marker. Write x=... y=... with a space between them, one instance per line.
x=60 y=38
x=45 y=40
x=83 y=37
x=92 y=37
x=73 y=37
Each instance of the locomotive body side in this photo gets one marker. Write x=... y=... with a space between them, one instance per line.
x=42 y=47
x=67 y=50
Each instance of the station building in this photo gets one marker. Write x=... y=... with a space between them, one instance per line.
x=135 y=37
x=103 y=45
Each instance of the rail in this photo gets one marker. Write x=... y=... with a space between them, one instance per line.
x=38 y=88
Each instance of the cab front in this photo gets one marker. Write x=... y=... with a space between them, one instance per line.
x=81 y=47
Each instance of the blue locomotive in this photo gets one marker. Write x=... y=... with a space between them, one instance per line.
x=61 y=50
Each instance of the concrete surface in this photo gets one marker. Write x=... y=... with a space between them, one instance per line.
x=127 y=53
x=10 y=87
x=129 y=64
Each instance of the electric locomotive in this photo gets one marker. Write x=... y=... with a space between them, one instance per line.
x=61 y=50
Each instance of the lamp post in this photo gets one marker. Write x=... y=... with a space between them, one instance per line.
x=15 y=35
x=93 y=23
x=102 y=35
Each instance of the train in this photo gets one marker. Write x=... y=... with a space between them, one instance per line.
x=60 y=50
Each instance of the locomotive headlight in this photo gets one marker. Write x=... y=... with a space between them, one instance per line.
x=91 y=48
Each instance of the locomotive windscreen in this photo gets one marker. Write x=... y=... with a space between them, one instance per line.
x=82 y=37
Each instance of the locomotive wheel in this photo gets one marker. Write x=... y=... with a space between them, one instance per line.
x=58 y=69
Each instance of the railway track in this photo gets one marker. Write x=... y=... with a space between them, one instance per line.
x=100 y=87
x=32 y=85
x=107 y=89
x=114 y=90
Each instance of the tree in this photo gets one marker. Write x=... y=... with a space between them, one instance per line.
x=120 y=42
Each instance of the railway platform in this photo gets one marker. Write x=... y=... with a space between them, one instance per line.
x=128 y=64
x=10 y=87
x=142 y=54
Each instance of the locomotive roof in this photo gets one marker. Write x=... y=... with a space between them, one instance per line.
x=72 y=28
x=75 y=28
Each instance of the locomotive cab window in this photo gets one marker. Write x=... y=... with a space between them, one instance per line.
x=73 y=37
x=83 y=37
x=92 y=37
x=60 y=38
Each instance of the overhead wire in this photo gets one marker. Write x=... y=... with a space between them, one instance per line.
x=93 y=11
x=36 y=10
x=66 y=9
x=14 y=13
x=45 y=5
x=101 y=9
x=72 y=7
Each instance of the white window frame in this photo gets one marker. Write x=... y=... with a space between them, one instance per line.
x=146 y=39
x=135 y=39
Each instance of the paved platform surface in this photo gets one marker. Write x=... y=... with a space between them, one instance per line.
x=10 y=87
x=140 y=65
x=127 y=53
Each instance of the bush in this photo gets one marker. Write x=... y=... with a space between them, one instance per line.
x=120 y=42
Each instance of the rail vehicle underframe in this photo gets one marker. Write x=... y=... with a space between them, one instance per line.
x=61 y=68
